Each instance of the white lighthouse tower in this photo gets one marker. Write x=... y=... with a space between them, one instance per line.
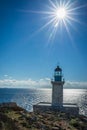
x=57 y=97
x=57 y=88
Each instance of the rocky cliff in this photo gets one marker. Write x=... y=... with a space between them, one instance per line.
x=13 y=117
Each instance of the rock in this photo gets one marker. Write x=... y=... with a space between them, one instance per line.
x=56 y=128
x=56 y=124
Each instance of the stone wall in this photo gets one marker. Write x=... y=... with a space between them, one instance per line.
x=37 y=108
x=70 y=110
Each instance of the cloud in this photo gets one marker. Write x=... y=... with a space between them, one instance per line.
x=74 y=84
x=41 y=83
x=5 y=75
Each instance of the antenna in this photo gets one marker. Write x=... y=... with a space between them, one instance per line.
x=58 y=63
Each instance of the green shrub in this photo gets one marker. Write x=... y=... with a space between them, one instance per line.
x=74 y=122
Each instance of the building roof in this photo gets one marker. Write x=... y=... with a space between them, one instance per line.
x=58 y=68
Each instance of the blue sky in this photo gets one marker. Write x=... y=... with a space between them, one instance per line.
x=27 y=54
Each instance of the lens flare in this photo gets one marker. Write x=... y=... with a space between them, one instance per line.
x=57 y=14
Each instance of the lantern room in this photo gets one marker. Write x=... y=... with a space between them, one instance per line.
x=58 y=74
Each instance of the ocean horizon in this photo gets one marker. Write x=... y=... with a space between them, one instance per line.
x=27 y=97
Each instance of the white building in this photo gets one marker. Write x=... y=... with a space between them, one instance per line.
x=57 y=97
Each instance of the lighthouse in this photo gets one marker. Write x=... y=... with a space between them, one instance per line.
x=57 y=97
x=57 y=87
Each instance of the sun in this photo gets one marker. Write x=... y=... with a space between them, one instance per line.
x=61 y=13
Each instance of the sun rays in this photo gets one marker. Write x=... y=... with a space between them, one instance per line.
x=59 y=14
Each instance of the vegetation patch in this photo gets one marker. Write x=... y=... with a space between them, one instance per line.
x=19 y=119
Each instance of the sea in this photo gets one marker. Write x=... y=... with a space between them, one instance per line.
x=26 y=98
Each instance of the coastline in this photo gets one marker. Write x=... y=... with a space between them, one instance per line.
x=26 y=98
x=13 y=117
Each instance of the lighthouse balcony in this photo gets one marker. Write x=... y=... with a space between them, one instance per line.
x=57 y=82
